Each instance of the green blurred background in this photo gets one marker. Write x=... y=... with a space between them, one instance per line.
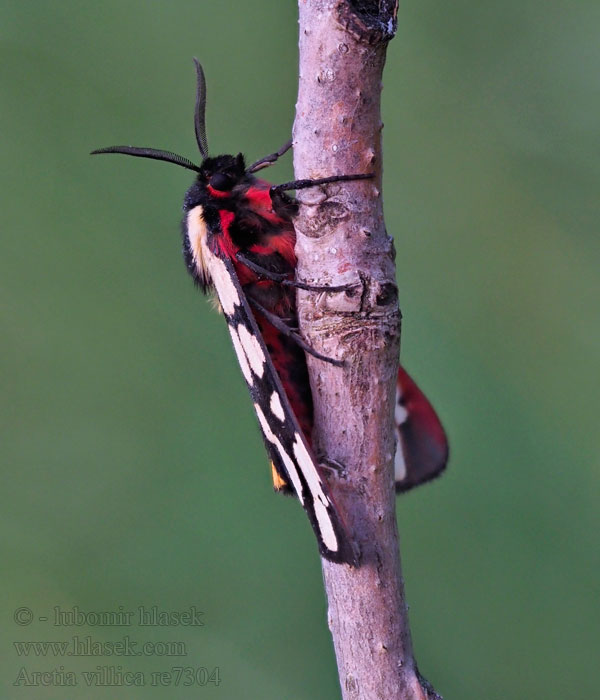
x=133 y=472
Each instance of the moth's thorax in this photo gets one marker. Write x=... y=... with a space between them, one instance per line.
x=209 y=206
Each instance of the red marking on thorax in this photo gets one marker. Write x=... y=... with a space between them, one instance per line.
x=282 y=242
x=226 y=218
x=259 y=196
x=217 y=193
x=227 y=246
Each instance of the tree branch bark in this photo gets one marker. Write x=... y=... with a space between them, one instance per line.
x=342 y=239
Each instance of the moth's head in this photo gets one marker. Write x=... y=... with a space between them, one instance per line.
x=222 y=173
x=216 y=180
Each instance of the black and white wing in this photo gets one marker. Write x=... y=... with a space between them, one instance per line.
x=283 y=437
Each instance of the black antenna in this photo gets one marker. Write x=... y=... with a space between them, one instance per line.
x=199 y=119
x=150 y=153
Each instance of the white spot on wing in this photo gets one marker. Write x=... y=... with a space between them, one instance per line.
x=266 y=428
x=254 y=352
x=320 y=500
x=400 y=417
x=400 y=414
x=326 y=526
x=313 y=480
x=285 y=457
x=228 y=294
x=400 y=468
x=305 y=462
x=241 y=355
x=276 y=407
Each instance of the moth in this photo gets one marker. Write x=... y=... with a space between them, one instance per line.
x=238 y=241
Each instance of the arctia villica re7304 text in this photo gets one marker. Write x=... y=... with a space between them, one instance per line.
x=239 y=240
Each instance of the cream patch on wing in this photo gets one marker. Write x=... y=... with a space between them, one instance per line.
x=400 y=469
x=241 y=355
x=400 y=417
x=400 y=413
x=228 y=294
x=276 y=407
x=321 y=502
x=290 y=467
x=254 y=352
x=196 y=234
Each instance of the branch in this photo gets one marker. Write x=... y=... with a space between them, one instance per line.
x=342 y=239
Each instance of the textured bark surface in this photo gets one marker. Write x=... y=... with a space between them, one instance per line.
x=342 y=239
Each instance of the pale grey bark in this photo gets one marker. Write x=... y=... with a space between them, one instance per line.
x=341 y=239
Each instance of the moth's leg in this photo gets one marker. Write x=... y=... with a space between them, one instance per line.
x=333 y=467
x=283 y=278
x=303 y=184
x=283 y=327
x=270 y=159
